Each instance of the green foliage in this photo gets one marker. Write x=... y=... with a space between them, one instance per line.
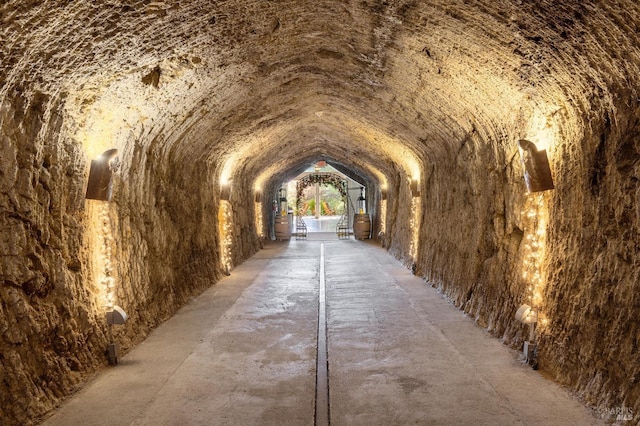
x=332 y=201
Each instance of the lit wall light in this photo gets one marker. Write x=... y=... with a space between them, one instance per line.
x=534 y=248
x=225 y=190
x=106 y=277
x=414 y=226
x=415 y=188
x=383 y=216
x=258 y=219
x=537 y=173
x=116 y=316
x=105 y=243
x=100 y=185
x=383 y=209
x=225 y=227
x=414 y=220
x=257 y=211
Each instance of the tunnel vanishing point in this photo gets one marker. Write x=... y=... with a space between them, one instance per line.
x=425 y=102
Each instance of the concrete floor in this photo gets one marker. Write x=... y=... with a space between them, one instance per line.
x=244 y=353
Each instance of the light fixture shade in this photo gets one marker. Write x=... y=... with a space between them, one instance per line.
x=117 y=316
x=415 y=188
x=225 y=191
x=526 y=314
x=537 y=173
x=100 y=185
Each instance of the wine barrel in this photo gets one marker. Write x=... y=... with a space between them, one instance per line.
x=282 y=227
x=361 y=226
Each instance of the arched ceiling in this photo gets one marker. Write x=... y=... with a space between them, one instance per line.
x=381 y=85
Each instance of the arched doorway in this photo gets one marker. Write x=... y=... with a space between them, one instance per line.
x=324 y=217
x=319 y=179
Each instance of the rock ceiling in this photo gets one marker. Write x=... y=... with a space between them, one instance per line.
x=269 y=86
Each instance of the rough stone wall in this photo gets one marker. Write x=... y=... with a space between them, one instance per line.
x=244 y=233
x=591 y=297
x=398 y=228
x=162 y=259
x=52 y=315
x=477 y=199
x=588 y=335
x=50 y=334
x=592 y=340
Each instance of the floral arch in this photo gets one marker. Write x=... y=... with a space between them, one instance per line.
x=333 y=179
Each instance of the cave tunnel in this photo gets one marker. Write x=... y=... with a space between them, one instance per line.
x=212 y=106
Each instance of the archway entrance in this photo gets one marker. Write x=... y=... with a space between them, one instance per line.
x=323 y=205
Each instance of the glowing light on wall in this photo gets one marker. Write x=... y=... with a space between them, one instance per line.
x=383 y=206
x=102 y=254
x=543 y=126
x=257 y=206
x=225 y=216
x=232 y=161
x=106 y=109
x=225 y=227
x=414 y=226
x=383 y=216
x=227 y=171
x=537 y=170
x=534 y=249
x=107 y=112
x=98 y=195
x=99 y=133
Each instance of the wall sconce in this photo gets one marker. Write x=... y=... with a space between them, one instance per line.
x=537 y=173
x=102 y=168
x=383 y=194
x=225 y=191
x=415 y=188
x=117 y=316
x=258 y=197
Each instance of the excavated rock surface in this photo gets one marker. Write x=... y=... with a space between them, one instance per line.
x=255 y=91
